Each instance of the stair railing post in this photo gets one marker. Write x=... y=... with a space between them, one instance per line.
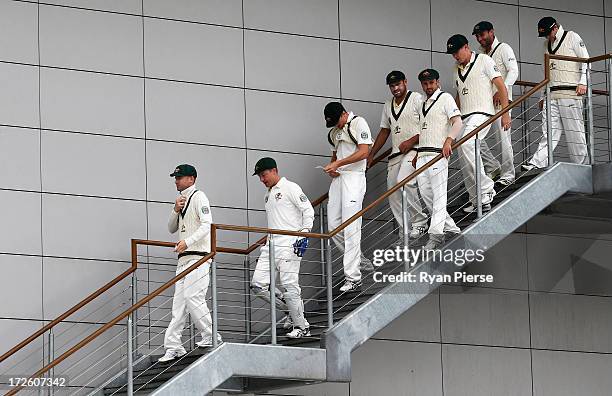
x=549 y=139
x=215 y=303
x=272 y=288
x=589 y=107
x=405 y=224
x=322 y=243
x=477 y=167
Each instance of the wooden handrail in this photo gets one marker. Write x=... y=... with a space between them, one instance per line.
x=214 y=227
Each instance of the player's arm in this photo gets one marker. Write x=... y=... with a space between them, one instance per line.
x=581 y=52
x=380 y=141
x=503 y=97
x=301 y=201
x=202 y=207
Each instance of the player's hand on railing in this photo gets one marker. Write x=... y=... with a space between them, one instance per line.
x=414 y=161
x=179 y=204
x=581 y=89
x=180 y=247
x=447 y=148
x=300 y=246
x=506 y=121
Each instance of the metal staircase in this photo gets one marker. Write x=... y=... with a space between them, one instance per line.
x=120 y=357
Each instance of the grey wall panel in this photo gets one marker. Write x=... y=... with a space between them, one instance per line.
x=484 y=316
x=284 y=63
x=194 y=113
x=81 y=39
x=29 y=359
x=108 y=166
x=314 y=18
x=19 y=38
x=590 y=28
x=19 y=96
x=413 y=366
x=594 y=7
x=570 y=265
x=445 y=65
x=446 y=21
x=91 y=102
x=91 y=227
x=393 y=22
x=17 y=270
x=365 y=66
x=223 y=12
x=507 y=262
x=123 y=6
x=372 y=112
x=476 y=371
x=20 y=228
x=67 y=281
x=295 y=167
x=569 y=374
x=285 y=122
x=420 y=323
x=182 y=51
x=568 y=322
x=19 y=169
x=221 y=172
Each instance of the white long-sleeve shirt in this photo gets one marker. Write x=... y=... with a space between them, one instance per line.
x=288 y=208
x=194 y=222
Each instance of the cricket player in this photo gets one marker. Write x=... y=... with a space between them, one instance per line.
x=350 y=141
x=505 y=60
x=400 y=120
x=567 y=86
x=287 y=208
x=440 y=125
x=476 y=75
x=191 y=217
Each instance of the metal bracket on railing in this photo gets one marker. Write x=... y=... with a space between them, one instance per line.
x=272 y=266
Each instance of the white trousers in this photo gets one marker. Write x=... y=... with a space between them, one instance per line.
x=503 y=140
x=189 y=298
x=396 y=173
x=346 y=194
x=565 y=116
x=432 y=185
x=287 y=265
x=467 y=160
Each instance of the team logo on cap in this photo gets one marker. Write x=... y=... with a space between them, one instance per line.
x=177 y=170
x=449 y=45
x=426 y=73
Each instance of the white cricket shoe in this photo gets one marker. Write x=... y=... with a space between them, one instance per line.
x=417 y=231
x=170 y=355
x=350 y=286
x=298 y=333
x=207 y=342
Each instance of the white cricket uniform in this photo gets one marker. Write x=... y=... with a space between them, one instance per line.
x=346 y=192
x=565 y=105
x=436 y=113
x=475 y=90
x=193 y=225
x=403 y=123
x=287 y=208
x=505 y=60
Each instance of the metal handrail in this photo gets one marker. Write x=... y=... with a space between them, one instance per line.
x=251 y=248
